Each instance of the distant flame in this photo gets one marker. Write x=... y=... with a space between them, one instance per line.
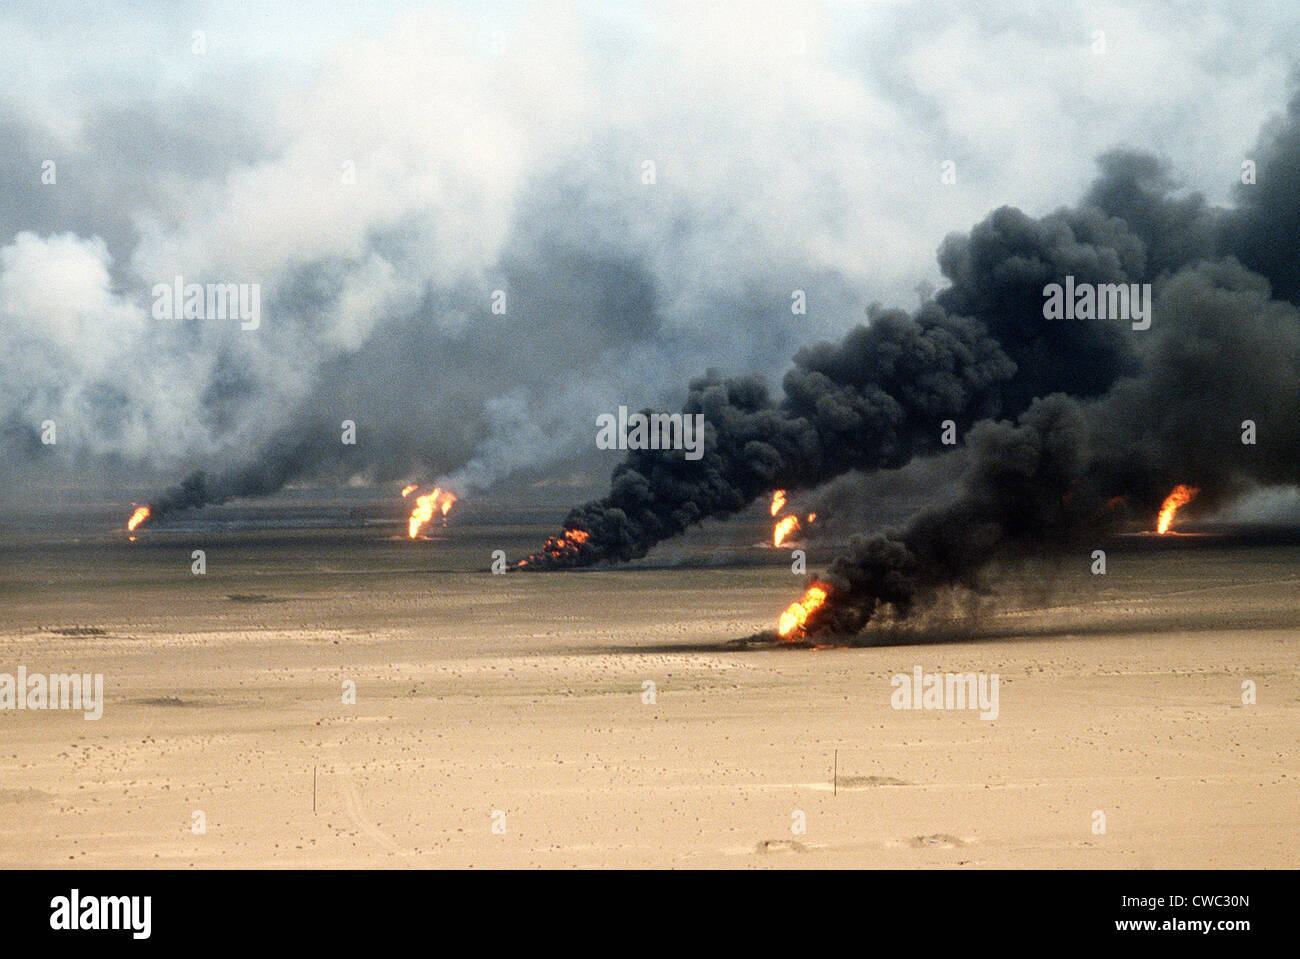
x=778 y=501
x=438 y=501
x=784 y=527
x=562 y=545
x=138 y=517
x=408 y=490
x=791 y=624
x=1181 y=496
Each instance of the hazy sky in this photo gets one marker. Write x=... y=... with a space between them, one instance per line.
x=380 y=172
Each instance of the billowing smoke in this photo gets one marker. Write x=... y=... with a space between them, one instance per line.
x=1071 y=427
x=470 y=231
x=1018 y=498
x=1221 y=364
x=880 y=396
x=646 y=191
x=863 y=404
x=280 y=461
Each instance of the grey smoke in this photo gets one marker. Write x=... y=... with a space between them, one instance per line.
x=777 y=168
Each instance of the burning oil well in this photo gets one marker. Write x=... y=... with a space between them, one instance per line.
x=1072 y=429
x=1087 y=365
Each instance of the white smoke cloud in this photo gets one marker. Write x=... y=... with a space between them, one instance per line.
x=62 y=331
x=398 y=178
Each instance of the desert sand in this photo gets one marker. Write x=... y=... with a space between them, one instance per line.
x=506 y=721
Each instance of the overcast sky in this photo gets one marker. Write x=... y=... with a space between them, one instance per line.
x=380 y=172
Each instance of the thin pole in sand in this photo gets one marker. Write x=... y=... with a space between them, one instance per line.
x=835 y=776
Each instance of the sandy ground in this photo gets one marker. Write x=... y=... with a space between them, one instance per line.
x=519 y=702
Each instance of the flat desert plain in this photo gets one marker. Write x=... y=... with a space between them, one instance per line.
x=606 y=718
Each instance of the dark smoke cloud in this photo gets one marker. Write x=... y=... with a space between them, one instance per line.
x=1221 y=352
x=869 y=402
x=279 y=462
x=857 y=502
x=878 y=397
x=1015 y=502
x=1113 y=418
x=1262 y=232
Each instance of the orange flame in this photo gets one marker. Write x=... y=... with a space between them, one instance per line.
x=786 y=526
x=560 y=545
x=138 y=517
x=439 y=501
x=790 y=625
x=778 y=501
x=408 y=490
x=1181 y=496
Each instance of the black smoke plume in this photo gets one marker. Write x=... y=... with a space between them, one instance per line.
x=1072 y=428
x=1222 y=355
x=878 y=397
